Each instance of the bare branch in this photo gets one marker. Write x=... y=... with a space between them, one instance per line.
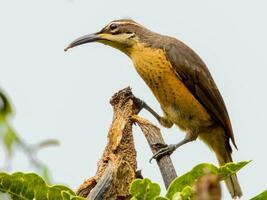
x=117 y=167
x=153 y=136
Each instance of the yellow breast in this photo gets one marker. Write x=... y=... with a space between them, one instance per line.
x=176 y=100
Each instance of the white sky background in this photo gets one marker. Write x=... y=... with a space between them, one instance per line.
x=66 y=95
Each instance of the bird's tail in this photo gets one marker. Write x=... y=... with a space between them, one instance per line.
x=232 y=183
x=217 y=141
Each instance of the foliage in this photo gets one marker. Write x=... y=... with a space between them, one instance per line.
x=7 y=134
x=144 y=189
x=182 y=188
x=10 y=139
x=261 y=196
x=30 y=186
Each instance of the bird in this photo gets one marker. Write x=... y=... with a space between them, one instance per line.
x=180 y=82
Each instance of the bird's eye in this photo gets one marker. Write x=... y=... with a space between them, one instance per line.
x=113 y=26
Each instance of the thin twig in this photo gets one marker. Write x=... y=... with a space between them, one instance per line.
x=153 y=136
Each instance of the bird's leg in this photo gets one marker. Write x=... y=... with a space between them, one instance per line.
x=169 y=149
x=164 y=121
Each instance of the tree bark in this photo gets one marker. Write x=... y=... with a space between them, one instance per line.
x=117 y=167
x=153 y=136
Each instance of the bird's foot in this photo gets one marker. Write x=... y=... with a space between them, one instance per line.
x=164 y=149
x=169 y=149
x=141 y=103
x=158 y=146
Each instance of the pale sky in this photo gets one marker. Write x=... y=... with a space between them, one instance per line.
x=66 y=95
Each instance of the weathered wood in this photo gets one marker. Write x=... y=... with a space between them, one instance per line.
x=117 y=167
x=153 y=136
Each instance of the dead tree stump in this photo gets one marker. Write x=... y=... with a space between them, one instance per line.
x=118 y=165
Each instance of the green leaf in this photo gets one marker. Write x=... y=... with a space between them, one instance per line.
x=3 y=128
x=28 y=186
x=9 y=139
x=231 y=168
x=6 y=133
x=177 y=196
x=261 y=196
x=160 y=198
x=45 y=173
x=144 y=189
x=5 y=106
x=187 y=193
x=191 y=177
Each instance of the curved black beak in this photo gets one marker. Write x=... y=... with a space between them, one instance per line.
x=83 y=40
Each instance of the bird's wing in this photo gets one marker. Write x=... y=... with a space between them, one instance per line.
x=195 y=75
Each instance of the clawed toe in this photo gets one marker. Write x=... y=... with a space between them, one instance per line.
x=164 y=150
x=159 y=146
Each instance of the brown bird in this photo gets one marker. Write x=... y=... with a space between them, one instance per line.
x=181 y=83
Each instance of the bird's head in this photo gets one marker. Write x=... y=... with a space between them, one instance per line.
x=121 y=34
